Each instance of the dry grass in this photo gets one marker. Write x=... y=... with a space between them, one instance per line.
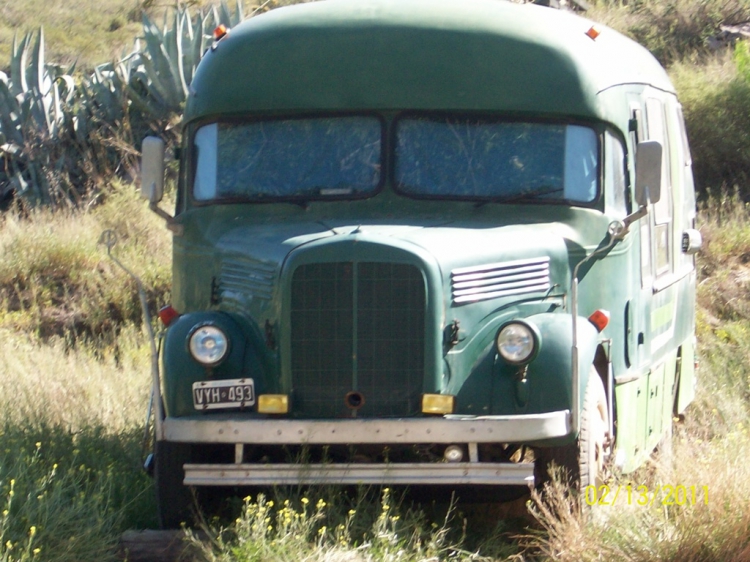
x=715 y=99
x=671 y=29
x=89 y=32
x=710 y=447
x=716 y=527
x=49 y=383
x=56 y=279
x=73 y=401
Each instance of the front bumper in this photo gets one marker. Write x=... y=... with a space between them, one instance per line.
x=451 y=429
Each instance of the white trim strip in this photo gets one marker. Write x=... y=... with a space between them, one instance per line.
x=498 y=474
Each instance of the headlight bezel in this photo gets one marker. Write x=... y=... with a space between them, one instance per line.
x=209 y=326
x=533 y=337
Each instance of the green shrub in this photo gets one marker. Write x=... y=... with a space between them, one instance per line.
x=66 y=497
x=715 y=100
x=672 y=30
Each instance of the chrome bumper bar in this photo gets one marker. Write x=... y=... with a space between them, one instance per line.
x=497 y=474
x=450 y=429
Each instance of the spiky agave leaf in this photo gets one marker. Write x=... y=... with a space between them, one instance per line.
x=167 y=62
x=36 y=103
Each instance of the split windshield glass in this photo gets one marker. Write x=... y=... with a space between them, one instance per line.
x=484 y=160
x=292 y=159
x=442 y=157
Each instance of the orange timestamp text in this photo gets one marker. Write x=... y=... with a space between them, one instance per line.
x=644 y=496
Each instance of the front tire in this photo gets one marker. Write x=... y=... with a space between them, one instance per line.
x=593 y=437
x=173 y=498
x=582 y=460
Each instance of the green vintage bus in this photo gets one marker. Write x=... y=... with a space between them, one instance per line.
x=423 y=242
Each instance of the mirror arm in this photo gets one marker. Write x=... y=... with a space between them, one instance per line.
x=632 y=217
x=172 y=225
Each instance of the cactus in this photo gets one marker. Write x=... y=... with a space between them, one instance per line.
x=57 y=137
x=36 y=103
x=164 y=68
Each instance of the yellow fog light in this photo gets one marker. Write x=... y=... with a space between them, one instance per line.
x=273 y=404
x=438 y=403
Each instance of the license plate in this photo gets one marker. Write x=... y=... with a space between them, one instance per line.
x=230 y=393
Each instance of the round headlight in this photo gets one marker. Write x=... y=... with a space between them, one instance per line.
x=516 y=343
x=208 y=345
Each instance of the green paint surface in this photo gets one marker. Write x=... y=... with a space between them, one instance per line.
x=482 y=55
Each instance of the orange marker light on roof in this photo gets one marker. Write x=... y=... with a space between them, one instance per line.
x=600 y=319
x=593 y=33
x=220 y=31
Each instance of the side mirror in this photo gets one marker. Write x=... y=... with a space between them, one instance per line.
x=648 y=172
x=152 y=169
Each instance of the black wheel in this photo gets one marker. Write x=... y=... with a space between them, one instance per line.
x=173 y=498
x=583 y=460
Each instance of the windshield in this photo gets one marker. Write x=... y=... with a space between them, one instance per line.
x=464 y=158
x=288 y=159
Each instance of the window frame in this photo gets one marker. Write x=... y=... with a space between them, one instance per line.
x=661 y=222
x=597 y=128
x=191 y=159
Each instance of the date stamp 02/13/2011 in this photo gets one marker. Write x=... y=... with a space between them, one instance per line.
x=644 y=496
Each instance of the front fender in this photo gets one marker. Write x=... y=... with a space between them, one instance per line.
x=544 y=385
x=180 y=370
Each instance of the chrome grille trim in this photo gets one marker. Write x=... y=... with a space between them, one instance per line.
x=470 y=284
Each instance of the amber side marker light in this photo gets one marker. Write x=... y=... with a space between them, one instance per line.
x=220 y=31
x=600 y=319
x=438 y=403
x=593 y=33
x=273 y=404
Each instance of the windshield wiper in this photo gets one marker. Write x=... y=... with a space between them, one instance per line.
x=514 y=198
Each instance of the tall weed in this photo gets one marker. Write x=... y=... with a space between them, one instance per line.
x=68 y=495
x=301 y=529
x=56 y=279
x=711 y=524
x=71 y=447
x=672 y=30
x=709 y=449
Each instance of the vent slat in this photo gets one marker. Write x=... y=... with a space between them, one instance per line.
x=496 y=294
x=248 y=279
x=501 y=287
x=543 y=274
x=503 y=279
x=502 y=265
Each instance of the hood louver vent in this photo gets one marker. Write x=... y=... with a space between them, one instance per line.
x=242 y=280
x=495 y=280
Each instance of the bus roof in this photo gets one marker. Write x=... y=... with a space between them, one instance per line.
x=474 y=55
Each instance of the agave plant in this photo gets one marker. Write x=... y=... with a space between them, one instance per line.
x=164 y=67
x=57 y=136
x=36 y=103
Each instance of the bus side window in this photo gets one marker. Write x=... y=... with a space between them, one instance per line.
x=688 y=191
x=662 y=209
x=637 y=135
x=615 y=179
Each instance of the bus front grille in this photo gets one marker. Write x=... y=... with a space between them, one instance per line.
x=357 y=326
